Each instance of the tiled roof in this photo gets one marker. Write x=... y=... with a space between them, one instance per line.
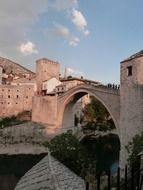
x=50 y=174
x=136 y=55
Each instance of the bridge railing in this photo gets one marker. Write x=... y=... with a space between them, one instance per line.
x=127 y=179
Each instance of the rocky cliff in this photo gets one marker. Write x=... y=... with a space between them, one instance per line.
x=14 y=68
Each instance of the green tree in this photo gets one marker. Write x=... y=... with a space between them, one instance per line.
x=72 y=153
x=95 y=110
x=86 y=157
x=134 y=147
x=96 y=117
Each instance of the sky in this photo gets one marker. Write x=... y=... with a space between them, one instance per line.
x=89 y=37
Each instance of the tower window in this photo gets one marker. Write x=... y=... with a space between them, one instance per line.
x=129 y=70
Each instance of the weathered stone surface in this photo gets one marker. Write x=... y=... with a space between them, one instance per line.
x=50 y=174
x=109 y=97
x=25 y=138
x=45 y=70
x=131 y=101
x=15 y=99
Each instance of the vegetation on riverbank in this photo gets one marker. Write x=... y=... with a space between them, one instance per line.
x=15 y=120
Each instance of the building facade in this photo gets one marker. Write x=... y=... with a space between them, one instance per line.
x=15 y=99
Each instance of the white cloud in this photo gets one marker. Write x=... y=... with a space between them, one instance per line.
x=76 y=17
x=67 y=35
x=74 y=42
x=74 y=72
x=28 y=48
x=16 y=17
x=79 y=21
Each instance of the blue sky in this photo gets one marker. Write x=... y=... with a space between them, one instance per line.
x=90 y=37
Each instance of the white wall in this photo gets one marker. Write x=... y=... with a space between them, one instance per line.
x=50 y=85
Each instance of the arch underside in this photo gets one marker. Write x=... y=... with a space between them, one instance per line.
x=71 y=98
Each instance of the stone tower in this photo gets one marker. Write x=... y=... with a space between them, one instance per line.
x=131 y=100
x=45 y=70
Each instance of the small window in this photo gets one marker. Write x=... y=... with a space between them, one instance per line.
x=17 y=96
x=26 y=97
x=16 y=103
x=129 y=70
x=8 y=103
x=17 y=90
x=8 y=96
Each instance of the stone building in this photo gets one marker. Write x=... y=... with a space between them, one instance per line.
x=72 y=81
x=17 y=87
x=15 y=80
x=45 y=70
x=131 y=99
x=49 y=86
x=25 y=82
x=15 y=99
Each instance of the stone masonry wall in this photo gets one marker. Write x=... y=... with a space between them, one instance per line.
x=45 y=70
x=44 y=110
x=15 y=99
x=131 y=102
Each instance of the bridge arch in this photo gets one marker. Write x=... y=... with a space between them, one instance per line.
x=108 y=97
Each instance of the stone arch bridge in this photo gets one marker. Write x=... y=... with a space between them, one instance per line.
x=56 y=112
x=124 y=105
x=109 y=97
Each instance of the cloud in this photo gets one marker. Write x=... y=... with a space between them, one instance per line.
x=74 y=72
x=65 y=33
x=76 y=17
x=63 y=4
x=79 y=21
x=28 y=48
x=16 y=18
x=74 y=42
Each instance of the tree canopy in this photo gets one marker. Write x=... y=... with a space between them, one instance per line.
x=95 y=110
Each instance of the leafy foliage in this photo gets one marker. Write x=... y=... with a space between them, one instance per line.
x=95 y=110
x=96 y=117
x=9 y=121
x=97 y=126
x=68 y=149
x=135 y=147
x=86 y=157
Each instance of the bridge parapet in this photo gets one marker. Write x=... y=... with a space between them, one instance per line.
x=100 y=88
